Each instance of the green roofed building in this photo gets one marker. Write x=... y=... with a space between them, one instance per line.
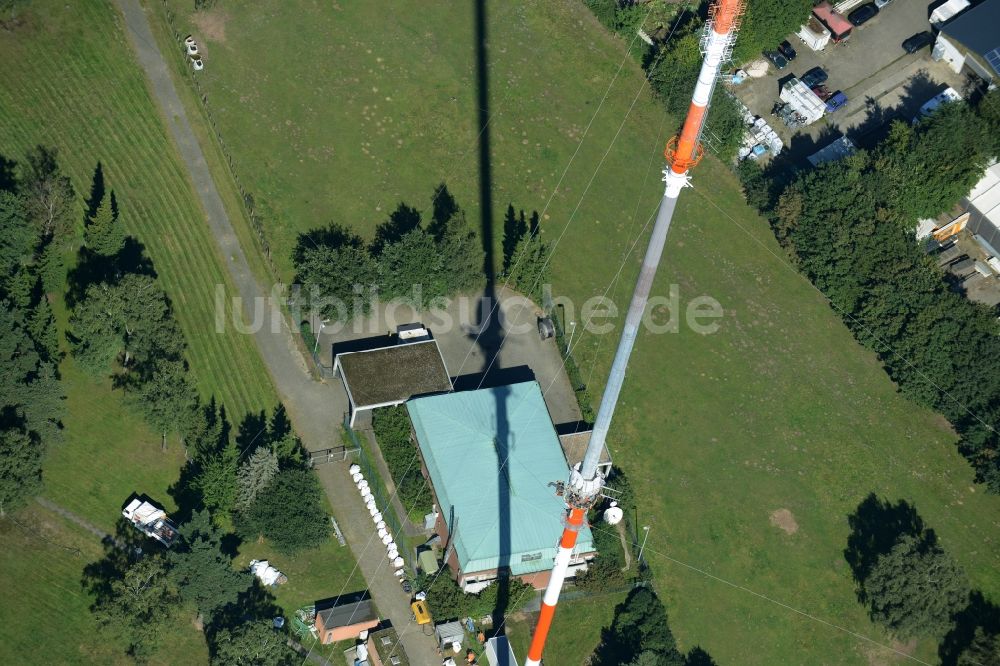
x=462 y=438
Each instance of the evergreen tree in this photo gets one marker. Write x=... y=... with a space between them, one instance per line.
x=203 y=573
x=31 y=397
x=412 y=260
x=984 y=650
x=20 y=468
x=461 y=254
x=254 y=475
x=529 y=270
x=104 y=234
x=514 y=229
x=207 y=432
x=216 y=481
x=640 y=626
x=43 y=330
x=255 y=643
x=915 y=588
x=17 y=238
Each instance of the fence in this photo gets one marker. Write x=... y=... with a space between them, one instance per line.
x=249 y=204
x=334 y=454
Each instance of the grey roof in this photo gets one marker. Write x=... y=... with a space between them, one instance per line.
x=978 y=29
x=394 y=374
x=348 y=614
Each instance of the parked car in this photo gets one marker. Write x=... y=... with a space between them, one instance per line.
x=785 y=49
x=822 y=92
x=776 y=59
x=835 y=101
x=863 y=14
x=918 y=41
x=881 y=3
x=814 y=77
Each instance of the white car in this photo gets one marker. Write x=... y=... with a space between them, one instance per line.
x=879 y=4
x=192 y=49
x=198 y=64
x=946 y=96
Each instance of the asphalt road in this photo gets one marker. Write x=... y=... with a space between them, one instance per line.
x=315 y=408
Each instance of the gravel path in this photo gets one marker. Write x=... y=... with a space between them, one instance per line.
x=73 y=518
x=315 y=408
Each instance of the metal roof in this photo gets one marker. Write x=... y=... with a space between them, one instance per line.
x=463 y=436
x=392 y=375
x=978 y=29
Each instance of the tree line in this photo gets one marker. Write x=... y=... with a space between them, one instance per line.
x=341 y=275
x=251 y=485
x=850 y=224
x=36 y=219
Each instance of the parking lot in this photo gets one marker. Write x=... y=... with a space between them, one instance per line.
x=880 y=80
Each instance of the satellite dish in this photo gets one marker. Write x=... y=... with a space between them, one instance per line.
x=614 y=515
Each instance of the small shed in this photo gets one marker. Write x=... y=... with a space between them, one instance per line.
x=499 y=652
x=342 y=620
x=390 y=376
x=574 y=445
x=838 y=149
x=448 y=633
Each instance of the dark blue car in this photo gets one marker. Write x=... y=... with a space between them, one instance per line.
x=835 y=101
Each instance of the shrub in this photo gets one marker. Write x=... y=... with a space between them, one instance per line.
x=392 y=432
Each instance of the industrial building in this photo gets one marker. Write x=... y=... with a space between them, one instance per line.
x=464 y=439
x=971 y=41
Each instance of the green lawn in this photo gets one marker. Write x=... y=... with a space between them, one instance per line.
x=79 y=89
x=575 y=633
x=313 y=575
x=42 y=564
x=339 y=111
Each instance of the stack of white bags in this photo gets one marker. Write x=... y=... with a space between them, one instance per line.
x=392 y=550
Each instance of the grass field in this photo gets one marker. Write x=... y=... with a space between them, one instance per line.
x=79 y=89
x=780 y=409
x=51 y=623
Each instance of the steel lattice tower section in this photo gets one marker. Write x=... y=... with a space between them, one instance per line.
x=683 y=152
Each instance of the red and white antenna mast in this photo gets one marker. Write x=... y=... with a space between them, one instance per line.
x=683 y=152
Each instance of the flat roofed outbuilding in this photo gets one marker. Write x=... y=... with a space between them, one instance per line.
x=392 y=375
x=574 y=446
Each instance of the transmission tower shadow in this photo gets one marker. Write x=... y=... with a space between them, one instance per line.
x=489 y=331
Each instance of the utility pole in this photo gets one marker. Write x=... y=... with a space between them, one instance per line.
x=645 y=528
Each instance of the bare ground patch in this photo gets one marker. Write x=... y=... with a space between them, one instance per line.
x=784 y=520
x=895 y=652
x=211 y=23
